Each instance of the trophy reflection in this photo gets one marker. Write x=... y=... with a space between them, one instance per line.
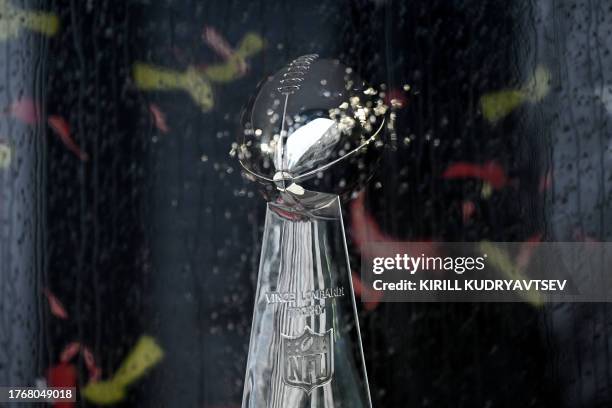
x=311 y=135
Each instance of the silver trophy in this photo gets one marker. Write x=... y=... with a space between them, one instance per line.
x=311 y=135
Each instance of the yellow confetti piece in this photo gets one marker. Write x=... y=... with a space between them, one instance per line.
x=104 y=392
x=538 y=85
x=199 y=88
x=145 y=354
x=486 y=191
x=197 y=82
x=226 y=72
x=5 y=156
x=149 y=77
x=231 y=70
x=503 y=263
x=497 y=105
x=250 y=45
x=152 y=78
x=44 y=23
x=12 y=19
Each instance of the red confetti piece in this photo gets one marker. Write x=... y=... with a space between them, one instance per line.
x=159 y=118
x=468 y=208
x=364 y=229
x=221 y=46
x=88 y=357
x=70 y=351
x=490 y=172
x=26 y=110
x=62 y=129
x=95 y=374
x=396 y=98
x=94 y=371
x=62 y=375
x=217 y=43
x=361 y=290
x=526 y=250
x=57 y=309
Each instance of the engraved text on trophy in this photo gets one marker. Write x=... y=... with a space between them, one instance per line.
x=305 y=303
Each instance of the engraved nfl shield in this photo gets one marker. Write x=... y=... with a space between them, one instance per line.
x=308 y=360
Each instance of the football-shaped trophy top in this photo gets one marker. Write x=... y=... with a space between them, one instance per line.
x=314 y=126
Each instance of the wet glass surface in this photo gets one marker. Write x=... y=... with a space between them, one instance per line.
x=129 y=241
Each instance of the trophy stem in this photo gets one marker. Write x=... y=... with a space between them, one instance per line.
x=305 y=348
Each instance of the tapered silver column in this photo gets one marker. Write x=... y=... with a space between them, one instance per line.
x=305 y=345
x=310 y=136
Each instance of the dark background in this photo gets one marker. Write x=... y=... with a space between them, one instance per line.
x=157 y=233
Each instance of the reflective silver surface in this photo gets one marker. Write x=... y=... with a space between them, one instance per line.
x=312 y=115
x=305 y=349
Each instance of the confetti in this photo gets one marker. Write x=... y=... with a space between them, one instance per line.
x=152 y=78
x=361 y=289
x=13 y=19
x=235 y=65
x=490 y=172
x=538 y=86
x=468 y=208
x=364 y=229
x=486 y=191
x=5 y=155
x=199 y=88
x=71 y=350
x=196 y=81
x=500 y=259
x=497 y=105
x=62 y=129
x=250 y=45
x=145 y=354
x=57 y=309
x=396 y=99
x=62 y=375
x=217 y=43
x=159 y=118
x=104 y=392
x=90 y=362
x=25 y=110
x=526 y=250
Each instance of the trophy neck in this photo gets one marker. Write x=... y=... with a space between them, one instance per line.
x=308 y=206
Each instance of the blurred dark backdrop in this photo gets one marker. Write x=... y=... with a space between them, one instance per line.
x=123 y=214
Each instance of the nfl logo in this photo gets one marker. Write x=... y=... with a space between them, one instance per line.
x=308 y=360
